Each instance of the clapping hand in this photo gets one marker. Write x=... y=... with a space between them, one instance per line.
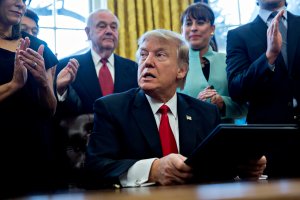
x=274 y=38
x=34 y=62
x=20 y=72
x=209 y=93
x=67 y=75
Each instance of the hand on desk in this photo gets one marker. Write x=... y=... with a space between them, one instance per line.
x=170 y=170
x=252 y=169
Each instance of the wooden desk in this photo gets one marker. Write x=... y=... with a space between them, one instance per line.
x=280 y=189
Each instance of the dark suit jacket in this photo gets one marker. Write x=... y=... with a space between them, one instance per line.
x=269 y=94
x=86 y=89
x=125 y=131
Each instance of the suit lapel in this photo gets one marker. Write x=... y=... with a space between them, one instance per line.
x=88 y=76
x=187 y=128
x=121 y=74
x=145 y=120
x=118 y=73
x=260 y=29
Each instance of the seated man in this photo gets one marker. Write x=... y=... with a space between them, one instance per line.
x=132 y=143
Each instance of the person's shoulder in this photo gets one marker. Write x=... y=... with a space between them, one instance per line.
x=34 y=41
x=122 y=100
x=246 y=27
x=293 y=16
x=239 y=28
x=118 y=97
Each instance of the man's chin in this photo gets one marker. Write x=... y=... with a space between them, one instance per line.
x=108 y=45
x=147 y=87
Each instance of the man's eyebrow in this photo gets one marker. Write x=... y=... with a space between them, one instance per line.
x=155 y=50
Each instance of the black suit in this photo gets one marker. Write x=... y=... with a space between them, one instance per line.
x=80 y=99
x=125 y=131
x=86 y=89
x=269 y=94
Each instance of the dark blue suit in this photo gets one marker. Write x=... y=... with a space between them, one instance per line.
x=125 y=131
x=269 y=94
x=86 y=89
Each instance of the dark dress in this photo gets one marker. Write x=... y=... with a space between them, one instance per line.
x=25 y=126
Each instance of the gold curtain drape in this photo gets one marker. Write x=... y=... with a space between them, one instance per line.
x=139 y=16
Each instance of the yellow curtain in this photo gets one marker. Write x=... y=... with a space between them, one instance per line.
x=139 y=16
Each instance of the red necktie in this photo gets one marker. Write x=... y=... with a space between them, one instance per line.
x=167 y=139
x=105 y=79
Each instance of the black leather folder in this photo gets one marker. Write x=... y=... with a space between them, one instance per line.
x=217 y=157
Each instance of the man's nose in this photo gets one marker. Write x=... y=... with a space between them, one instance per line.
x=108 y=30
x=149 y=62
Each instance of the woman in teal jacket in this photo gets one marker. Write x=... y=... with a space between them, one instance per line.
x=207 y=78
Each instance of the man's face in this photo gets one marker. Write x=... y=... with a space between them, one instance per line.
x=197 y=32
x=159 y=71
x=29 y=26
x=271 y=4
x=104 y=31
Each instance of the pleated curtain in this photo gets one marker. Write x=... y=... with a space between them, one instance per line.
x=139 y=16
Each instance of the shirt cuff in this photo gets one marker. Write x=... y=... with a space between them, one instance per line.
x=63 y=96
x=138 y=174
x=272 y=67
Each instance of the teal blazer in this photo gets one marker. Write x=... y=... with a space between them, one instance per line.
x=196 y=82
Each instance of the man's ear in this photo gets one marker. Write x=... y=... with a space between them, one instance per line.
x=182 y=71
x=87 y=31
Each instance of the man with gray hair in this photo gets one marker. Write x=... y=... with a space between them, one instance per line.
x=77 y=90
x=142 y=136
x=101 y=73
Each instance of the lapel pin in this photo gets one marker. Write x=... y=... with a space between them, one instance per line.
x=188 y=117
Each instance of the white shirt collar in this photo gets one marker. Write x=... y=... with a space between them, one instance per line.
x=96 y=58
x=264 y=14
x=155 y=105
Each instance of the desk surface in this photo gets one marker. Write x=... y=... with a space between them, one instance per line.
x=280 y=189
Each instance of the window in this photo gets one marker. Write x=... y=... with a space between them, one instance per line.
x=62 y=24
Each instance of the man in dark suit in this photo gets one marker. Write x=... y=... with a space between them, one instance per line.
x=127 y=146
x=78 y=88
x=78 y=85
x=263 y=66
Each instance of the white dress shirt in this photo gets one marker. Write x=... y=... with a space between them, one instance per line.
x=110 y=64
x=96 y=59
x=138 y=174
